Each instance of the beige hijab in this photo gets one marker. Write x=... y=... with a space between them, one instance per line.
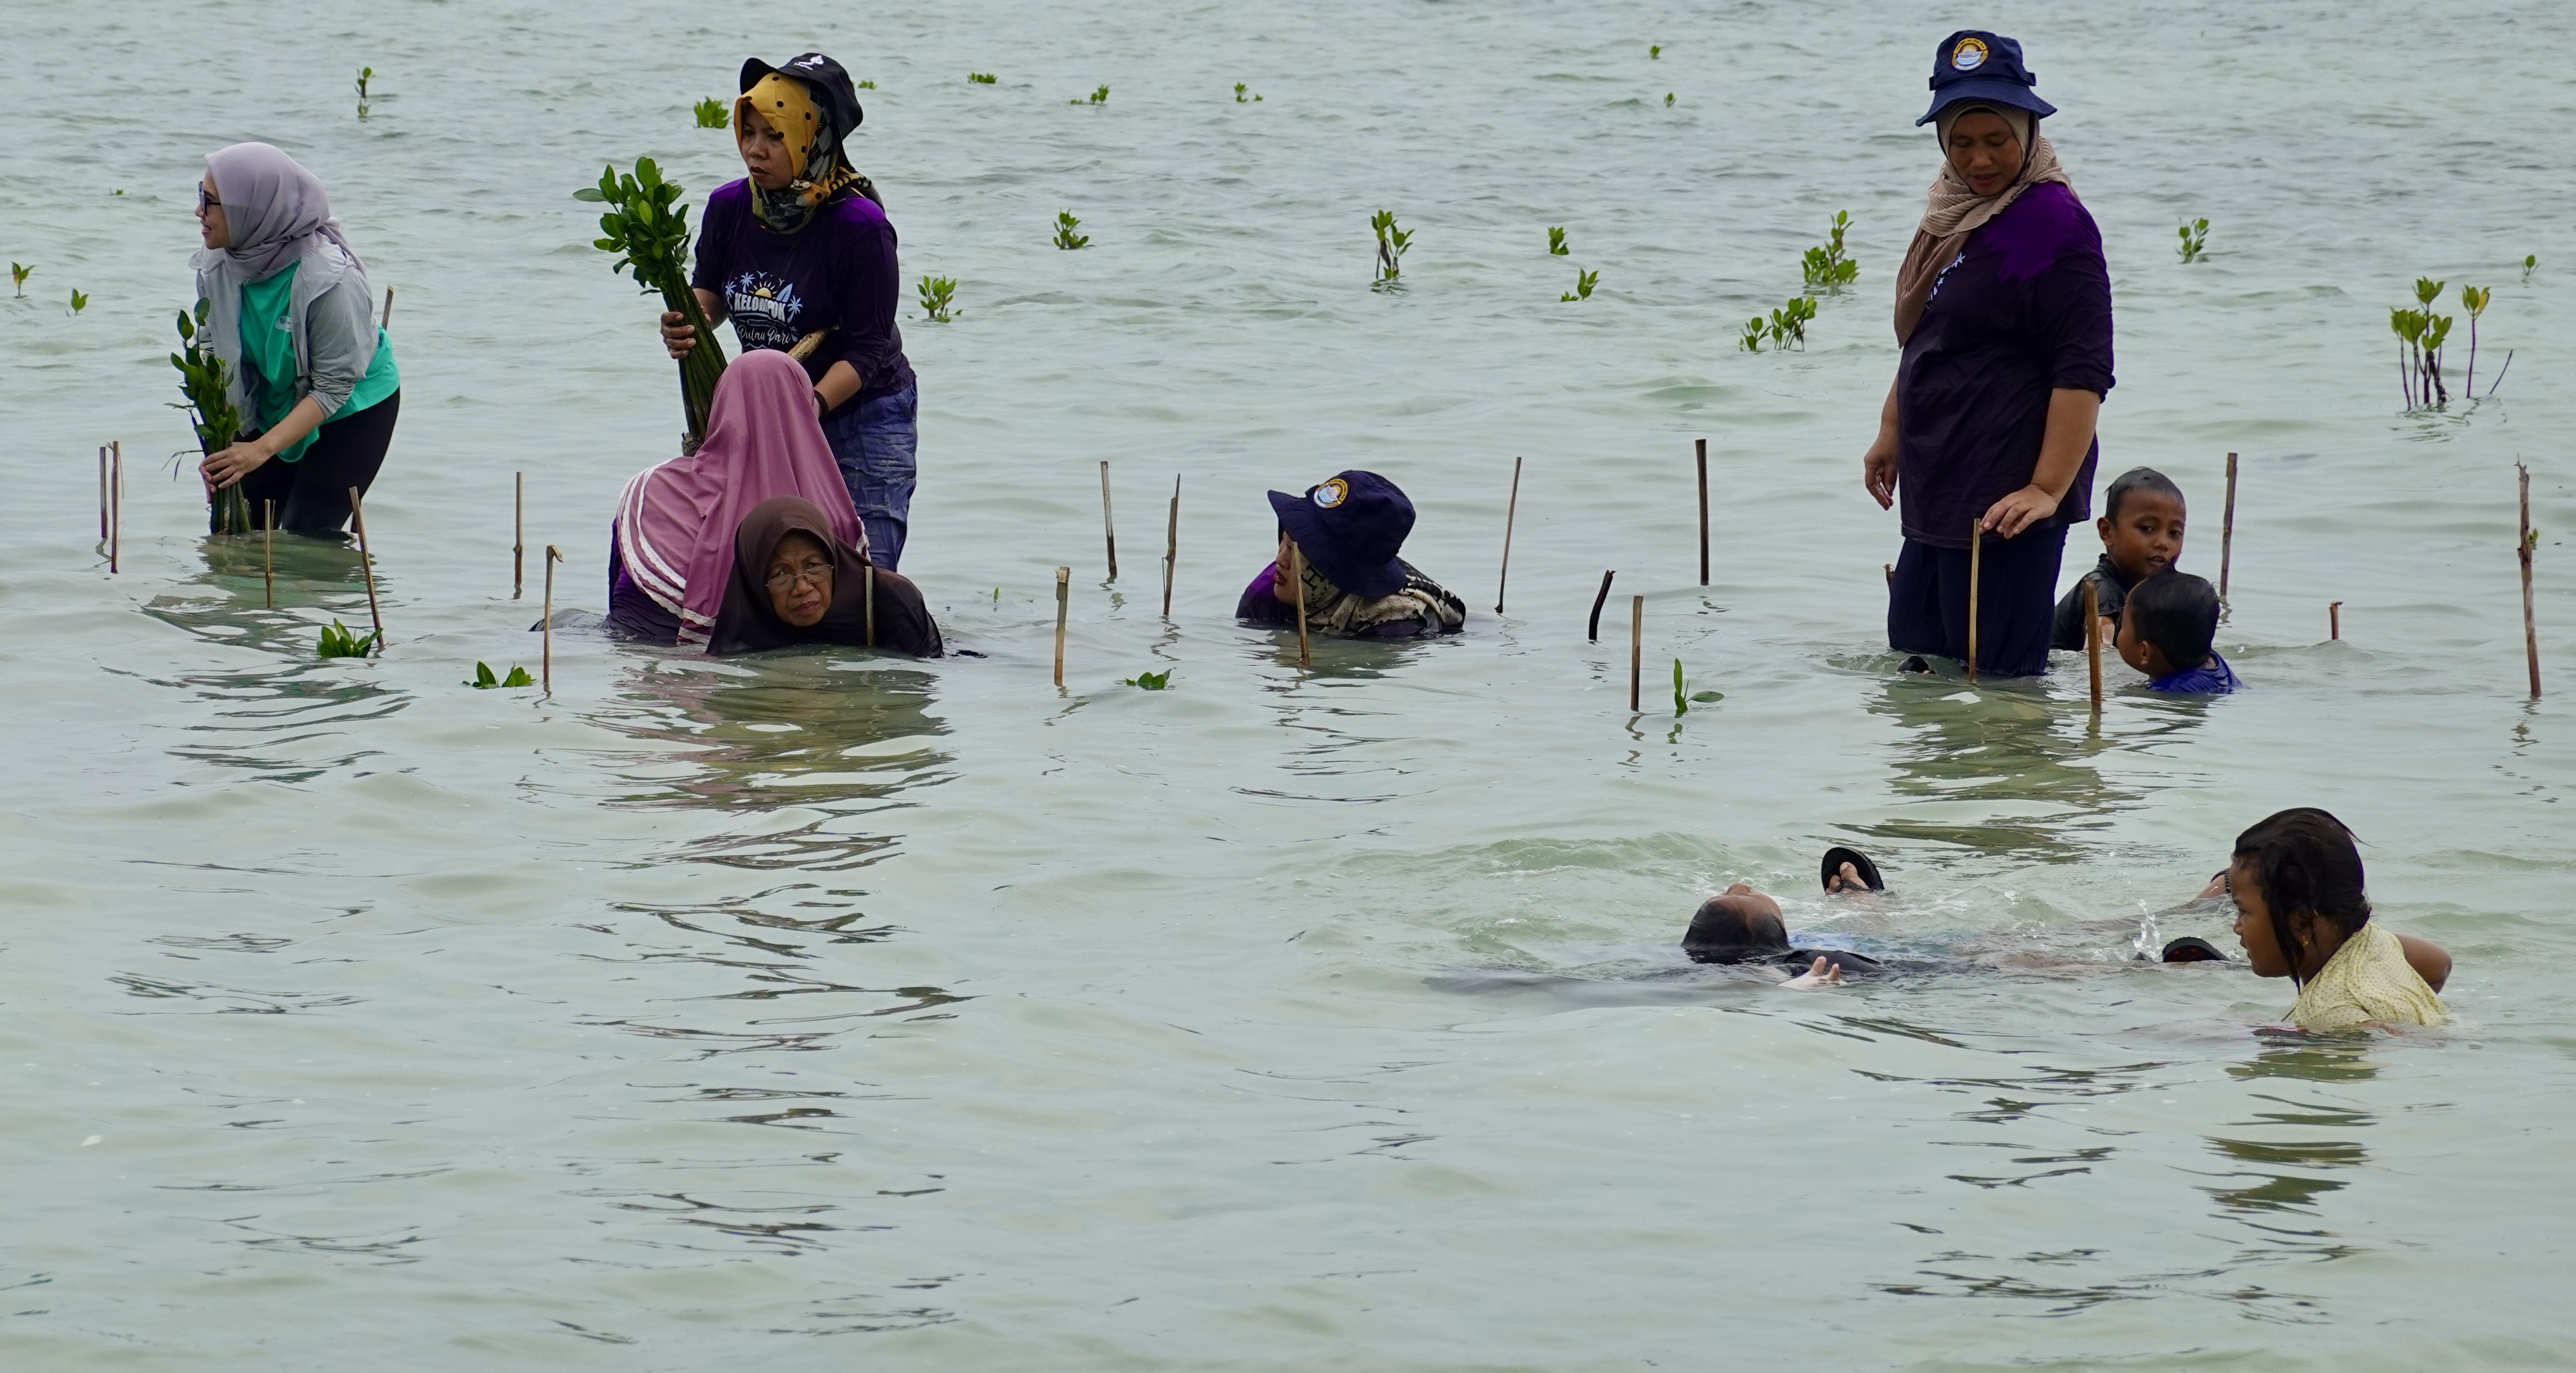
x=1953 y=211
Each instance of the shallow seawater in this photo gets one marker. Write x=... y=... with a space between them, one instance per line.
x=823 y=1008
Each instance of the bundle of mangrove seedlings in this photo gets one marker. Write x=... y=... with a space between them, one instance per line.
x=210 y=412
x=645 y=222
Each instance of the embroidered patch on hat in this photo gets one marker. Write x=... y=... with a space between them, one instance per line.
x=1331 y=493
x=1969 y=55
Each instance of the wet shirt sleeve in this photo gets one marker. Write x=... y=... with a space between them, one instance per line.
x=865 y=284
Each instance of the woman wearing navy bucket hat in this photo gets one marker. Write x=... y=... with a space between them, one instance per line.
x=1348 y=531
x=2003 y=305
x=802 y=246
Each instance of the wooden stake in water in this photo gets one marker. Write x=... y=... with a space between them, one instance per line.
x=868 y=574
x=1594 y=632
x=102 y=496
x=2334 y=620
x=1976 y=566
x=1636 y=648
x=1297 y=572
x=367 y=565
x=1511 y=512
x=2522 y=550
x=268 y=550
x=1063 y=604
x=1703 y=510
x=1108 y=529
x=2093 y=638
x=546 y=623
x=1172 y=546
x=1890 y=570
x=518 y=530
x=388 y=321
x=2227 y=531
x=115 y=500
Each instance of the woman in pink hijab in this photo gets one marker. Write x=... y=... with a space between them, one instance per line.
x=671 y=552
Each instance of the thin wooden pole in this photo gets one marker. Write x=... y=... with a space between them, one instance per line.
x=388 y=321
x=518 y=531
x=2227 y=531
x=367 y=565
x=868 y=575
x=1702 y=445
x=2522 y=550
x=1511 y=513
x=2334 y=620
x=1636 y=648
x=1063 y=605
x=547 y=623
x=2093 y=638
x=1594 y=631
x=1976 y=567
x=268 y=550
x=1890 y=570
x=1108 y=529
x=102 y=495
x=1172 y=546
x=1297 y=572
x=115 y=501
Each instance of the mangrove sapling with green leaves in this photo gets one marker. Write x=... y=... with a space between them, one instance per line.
x=1065 y=237
x=18 y=274
x=80 y=301
x=210 y=411
x=1684 y=698
x=2529 y=261
x=867 y=85
x=2419 y=356
x=485 y=681
x=365 y=74
x=1239 y=89
x=712 y=114
x=1556 y=241
x=2195 y=240
x=1668 y=100
x=2474 y=300
x=646 y=223
x=1098 y=97
x=338 y=642
x=936 y=293
x=1751 y=339
x=1150 y=681
x=1583 y=283
x=980 y=78
x=1789 y=323
x=1826 y=266
x=1391 y=243
x=1656 y=50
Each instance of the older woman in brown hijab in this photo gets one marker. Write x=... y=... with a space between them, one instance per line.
x=793 y=583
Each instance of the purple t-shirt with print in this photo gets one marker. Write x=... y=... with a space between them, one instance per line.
x=2023 y=310
x=837 y=273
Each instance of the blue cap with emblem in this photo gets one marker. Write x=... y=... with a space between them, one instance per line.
x=1977 y=67
x=1350 y=528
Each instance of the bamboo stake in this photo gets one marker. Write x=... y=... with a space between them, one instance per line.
x=1063 y=603
x=868 y=575
x=268 y=550
x=2093 y=638
x=115 y=501
x=367 y=565
x=1172 y=546
x=1703 y=510
x=1297 y=570
x=1594 y=631
x=102 y=495
x=388 y=321
x=518 y=531
x=1108 y=529
x=1636 y=648
x=2227 y=531
x=1890 y=570
x=547 y=623
x=1976 y=566
x=2334 y=620
x=2522 y=550
x=1511 y=512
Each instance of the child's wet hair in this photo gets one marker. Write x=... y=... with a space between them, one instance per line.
x=2145 y=479
x=2304 y=859
x=2177 y=613
x=1734 y=929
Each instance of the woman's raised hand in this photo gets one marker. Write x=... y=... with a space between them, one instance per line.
x=2020 y=510
x=678 y=334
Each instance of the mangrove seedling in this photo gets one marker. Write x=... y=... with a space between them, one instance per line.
x=1656 y=50
x=1556 y=241
x=485 y=681
x=365 y=74
x=867 y=85
x=80 y=302
x=646 y=223
x=1826 y=266
x=979 y=78
x=18 y=274
x=1751 y=340
x=1789 y=323
x=2195 y=239
x=935 y=296
x=1583 y=283
x=338 y=642
x=210 y=412
x=1065 y=237
x=1098 y=97
x=2529 y=261
x=1668 y=100
x=1391 y=243
x=1239 y=89
x=712 y=114
x=2474 y=300
x=1684 y=698
x=1150 y=681
x=2419 y=353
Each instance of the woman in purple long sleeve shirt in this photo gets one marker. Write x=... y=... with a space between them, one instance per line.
x=2004 y=309
x=802 y=246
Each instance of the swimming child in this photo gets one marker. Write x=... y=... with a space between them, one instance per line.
x=1348 y=530
x=2141 y=529
x=2296 y=879
x=2167 y=623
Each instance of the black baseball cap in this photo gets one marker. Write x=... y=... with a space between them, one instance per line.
x=830 y=84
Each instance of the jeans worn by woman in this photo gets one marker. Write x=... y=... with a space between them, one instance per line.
x=874 y=442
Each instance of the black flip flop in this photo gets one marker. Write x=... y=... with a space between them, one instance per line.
x=1837 y=856
x=2191 y=948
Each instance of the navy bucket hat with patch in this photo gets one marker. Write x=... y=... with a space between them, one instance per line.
x=1973 y=66
x=1350 y=528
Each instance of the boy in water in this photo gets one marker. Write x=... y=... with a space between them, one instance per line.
x=2141 y=529
x=2166 y=625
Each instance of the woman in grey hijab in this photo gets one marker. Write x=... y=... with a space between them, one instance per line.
x=293 y=318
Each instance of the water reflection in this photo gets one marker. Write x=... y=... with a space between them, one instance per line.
x=1999 y=768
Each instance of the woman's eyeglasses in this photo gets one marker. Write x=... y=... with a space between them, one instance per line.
x=206 y=202
x=815 y=575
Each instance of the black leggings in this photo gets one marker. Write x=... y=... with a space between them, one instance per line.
x=312 y=492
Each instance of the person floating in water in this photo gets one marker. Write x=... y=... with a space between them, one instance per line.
x=2166 y=627
x=1742 y=926
x=1348 y=531
x=2296 y=879
x=2141 y=529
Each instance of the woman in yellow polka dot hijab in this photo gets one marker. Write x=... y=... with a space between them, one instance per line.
x=811 y=107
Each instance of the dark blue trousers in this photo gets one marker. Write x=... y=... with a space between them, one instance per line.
x=1927 y=601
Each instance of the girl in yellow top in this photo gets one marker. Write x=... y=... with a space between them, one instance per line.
x=2300 y=913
